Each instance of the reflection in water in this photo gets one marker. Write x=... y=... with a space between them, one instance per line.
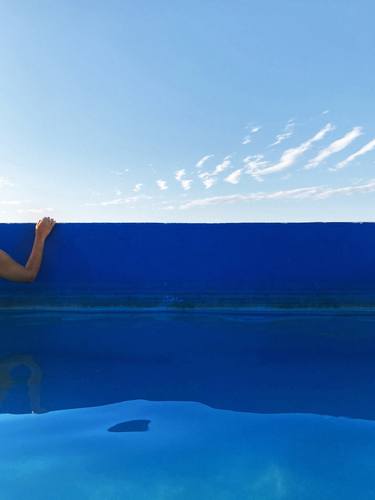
x=9 y=379
x=259 y=364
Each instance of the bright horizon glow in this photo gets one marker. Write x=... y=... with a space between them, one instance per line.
x=195 y=113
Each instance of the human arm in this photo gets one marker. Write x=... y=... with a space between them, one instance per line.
x=13 y=271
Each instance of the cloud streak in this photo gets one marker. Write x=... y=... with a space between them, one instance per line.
x=365 y=149
x=335 y=147
x=234 y=177
x=290 y=156
x=248 y=138
x=312 y=192
x=287 y=132
x=203 y=160
x=119 y=201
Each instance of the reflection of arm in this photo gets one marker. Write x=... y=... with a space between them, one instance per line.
x=33 y=382
x=5 y=380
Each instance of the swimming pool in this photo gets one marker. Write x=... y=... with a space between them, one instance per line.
x=187 y=405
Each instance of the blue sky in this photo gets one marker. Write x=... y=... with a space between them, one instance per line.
x=187 y=111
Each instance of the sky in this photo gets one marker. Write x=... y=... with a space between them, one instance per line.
x=198 y=111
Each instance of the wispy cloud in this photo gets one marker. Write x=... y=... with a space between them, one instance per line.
x=226 y=163
x=203 y=160
x=119 y=201
x=335 y=147
x=180 y=174
x=285 y=134
x=234 y=177
x=186 y=184
x=365 y=149
x=254 y=164
x=290 y=156
x=162 y=185
x=137 y=187
x=34 y=210
x=209 y=178
x=314 y=192
x=207 y=181
x=119 y=172
x=248 y=137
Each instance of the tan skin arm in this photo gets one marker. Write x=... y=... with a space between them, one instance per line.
x=13 y=271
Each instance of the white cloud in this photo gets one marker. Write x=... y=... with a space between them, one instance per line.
x=348 y=190
x=209 y=178
x=247 y=139
x=222 y=166
x=203 y=160
x=119 y=201
x=34 y=210
x=115 y=201
x=335 y=147
x=287 y=132
x=253 y=164
x=365 y=149
x=290 y=156
x=180 y=174
x=209 y=182
x=313 y=192
x=137 y=187
x=119 y=172
x=186 y=184
x=162 y=185
x=234 y=177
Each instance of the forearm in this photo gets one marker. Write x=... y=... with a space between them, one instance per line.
x=34 y=262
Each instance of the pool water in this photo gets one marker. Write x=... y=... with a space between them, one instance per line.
x=187 y=405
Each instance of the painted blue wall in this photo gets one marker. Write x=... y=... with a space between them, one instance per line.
x=313 y=258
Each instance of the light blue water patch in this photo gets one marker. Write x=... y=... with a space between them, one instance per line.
x=189 y=451
x=187 y=406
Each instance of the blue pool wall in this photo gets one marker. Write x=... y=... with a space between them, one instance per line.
x=239 y=259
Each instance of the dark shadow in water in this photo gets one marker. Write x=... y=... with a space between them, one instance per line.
x=252 y=363
x=131 y=426
x=21 y=370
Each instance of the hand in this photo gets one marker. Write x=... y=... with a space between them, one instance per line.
x=44 y=227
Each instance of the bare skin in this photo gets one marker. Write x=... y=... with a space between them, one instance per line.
x=13 y=271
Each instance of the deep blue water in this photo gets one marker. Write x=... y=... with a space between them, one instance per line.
x=189 y=405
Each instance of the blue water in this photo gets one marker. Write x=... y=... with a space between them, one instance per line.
x=125 y=405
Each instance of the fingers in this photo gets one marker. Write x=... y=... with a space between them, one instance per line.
x=47 y=220
x=47 y=223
